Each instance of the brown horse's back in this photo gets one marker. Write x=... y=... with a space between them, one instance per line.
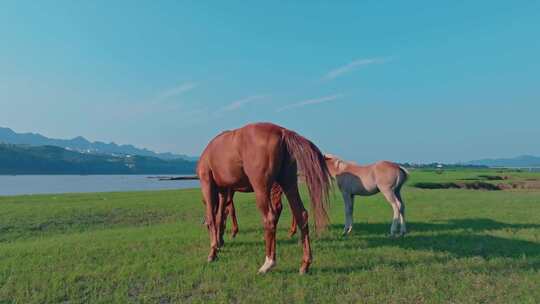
x=225 y=154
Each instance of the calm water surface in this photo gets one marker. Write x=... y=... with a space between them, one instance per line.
x=43 y=184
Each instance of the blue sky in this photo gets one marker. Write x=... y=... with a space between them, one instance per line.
x=366 y=80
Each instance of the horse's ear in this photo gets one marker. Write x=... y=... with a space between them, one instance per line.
x=340 y=165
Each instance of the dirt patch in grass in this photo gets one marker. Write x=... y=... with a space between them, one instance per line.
x=527 y=185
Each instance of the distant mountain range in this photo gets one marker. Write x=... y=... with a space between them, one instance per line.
x=82 y=145
x=520 y=161
x=119 y=157
x=23 y=159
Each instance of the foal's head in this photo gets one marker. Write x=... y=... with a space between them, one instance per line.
x=334 y=164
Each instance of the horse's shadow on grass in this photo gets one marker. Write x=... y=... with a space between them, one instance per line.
x=468 y=224
x=457 y=245
x=455 y=238
x=459 y=237
x=525 y=254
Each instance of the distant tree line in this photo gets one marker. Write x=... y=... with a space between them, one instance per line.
x=443 y=166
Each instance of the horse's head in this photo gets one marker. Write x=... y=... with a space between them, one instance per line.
x=334 y=164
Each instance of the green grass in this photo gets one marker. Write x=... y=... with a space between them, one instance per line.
x=464 y=246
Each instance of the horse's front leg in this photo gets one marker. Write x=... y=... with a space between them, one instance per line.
x=348 y=200
x=292 y=230
x=210 y=199
x=232 y=211
x=221 y=217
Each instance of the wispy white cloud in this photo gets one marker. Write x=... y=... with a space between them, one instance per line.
x=242 y=102
x=310 y=102
x=353 y=65
x=175 y=91
x=158 y=103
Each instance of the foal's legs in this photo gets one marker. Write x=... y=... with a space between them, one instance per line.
x=348 y=200
x=401 y=206
x=392 y=199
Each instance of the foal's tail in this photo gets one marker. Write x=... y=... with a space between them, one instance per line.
x=318 y=180
x=404 y=176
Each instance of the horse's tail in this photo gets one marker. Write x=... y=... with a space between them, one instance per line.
x=313 y=165
x=405 y=175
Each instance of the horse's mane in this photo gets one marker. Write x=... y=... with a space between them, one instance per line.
x=339 y=163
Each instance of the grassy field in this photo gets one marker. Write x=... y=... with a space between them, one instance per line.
x=464 y=246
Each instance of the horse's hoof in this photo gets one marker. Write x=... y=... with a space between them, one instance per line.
x=212 y=255
x=292 y=233
x=261 y=272
x=234 y=233
x=303 y=270
x=268 y=264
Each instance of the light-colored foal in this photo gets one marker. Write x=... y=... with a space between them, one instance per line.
x=382 y=176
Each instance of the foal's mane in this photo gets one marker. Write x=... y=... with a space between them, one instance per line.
x=339 y=163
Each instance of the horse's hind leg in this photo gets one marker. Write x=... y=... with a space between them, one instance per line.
x=275 y=197
x=270 y=218
x=276 y=194
x=392 y=199
x=289 y=183
x=401 y=207
x=276 y=202
x=301 y=218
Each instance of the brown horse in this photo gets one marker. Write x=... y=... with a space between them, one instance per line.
x=252 y=159
x=275 y=197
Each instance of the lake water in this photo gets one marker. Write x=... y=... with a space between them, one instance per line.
x=46 y=184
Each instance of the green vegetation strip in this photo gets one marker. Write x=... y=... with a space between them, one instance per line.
x=464 y=246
